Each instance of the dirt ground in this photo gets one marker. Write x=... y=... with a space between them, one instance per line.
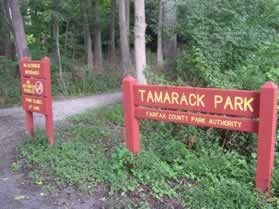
x=16 y=191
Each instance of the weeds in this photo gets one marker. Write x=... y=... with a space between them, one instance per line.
x=91 y=151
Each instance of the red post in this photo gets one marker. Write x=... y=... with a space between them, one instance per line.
x=49 y=114
x=266 y=136
x=28 y=114
x=130 y=121
x=29 y=123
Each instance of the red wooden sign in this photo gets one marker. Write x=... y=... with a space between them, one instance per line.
x=33 y=86
x=239 y=110
x=34 y=104
x=36 y=93
x=33 y=69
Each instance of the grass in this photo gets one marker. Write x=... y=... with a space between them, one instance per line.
x=168 y=173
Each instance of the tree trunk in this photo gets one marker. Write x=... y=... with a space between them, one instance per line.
x=5 y=39
x=112 y=32
x=9 y=44
x=18 y=29
x=87 y=35
x=169 y=34
x=97 y=37
x=160 y=58
x=2 y=30
x=127 y=14
x=140 y=51
x=64 y=88
x=124 y=43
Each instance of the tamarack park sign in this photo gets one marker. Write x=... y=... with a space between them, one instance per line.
x=36 y=93
x=239 y=110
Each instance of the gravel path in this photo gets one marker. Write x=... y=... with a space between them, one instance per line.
x=12 y=129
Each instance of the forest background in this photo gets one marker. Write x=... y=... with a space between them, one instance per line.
x=93 y=45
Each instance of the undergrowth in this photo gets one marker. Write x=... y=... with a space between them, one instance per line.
x=181 y=163
x=78 y=80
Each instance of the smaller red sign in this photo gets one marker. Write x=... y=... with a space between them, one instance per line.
x=33 y=69
x=36 y=93
x=34 y=104
x=34 y=87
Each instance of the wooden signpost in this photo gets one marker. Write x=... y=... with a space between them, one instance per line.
x=36 y=93
x=239 y=110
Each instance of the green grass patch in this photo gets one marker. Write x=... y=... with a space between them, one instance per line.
x=168 y=173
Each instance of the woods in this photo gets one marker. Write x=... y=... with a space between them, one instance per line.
x=101 y=34
x=185 y=56
x=97 y=34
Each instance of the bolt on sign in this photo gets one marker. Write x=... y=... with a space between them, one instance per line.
x=36 y=93
x=239 y=110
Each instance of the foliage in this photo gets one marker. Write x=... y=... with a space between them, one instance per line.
x=209 y=193
x=185 y=164
x=9 y=85
x=226 y=39
x=81 y=81
x=78 y=80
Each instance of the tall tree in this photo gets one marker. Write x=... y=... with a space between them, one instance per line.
x=127 y=13
x=87 y=34
x=140 y=51
x=5 y=38
x=160 y=58
x=18 y=29
x=124 y=41
x=98 y=52
x=169 y=34
x=112 y=32
x=64 y=88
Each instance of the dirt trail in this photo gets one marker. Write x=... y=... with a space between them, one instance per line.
x=12 y=130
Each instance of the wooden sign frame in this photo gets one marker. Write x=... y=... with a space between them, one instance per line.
x=247 y=111
x=36 y=93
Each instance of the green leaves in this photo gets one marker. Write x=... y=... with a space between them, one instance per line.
x=90 y=151
x=226 y=42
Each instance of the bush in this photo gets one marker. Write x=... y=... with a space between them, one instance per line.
x=9 y=81
x=228 y=44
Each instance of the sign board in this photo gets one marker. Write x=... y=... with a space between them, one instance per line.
x=33 y=86
x=33 y=69
x=247 y=111
x=36 y=93
x=34 y=104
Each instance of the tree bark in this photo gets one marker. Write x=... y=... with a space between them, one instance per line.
x=160 y=58
x=98 y=52
x=2 y=37
x=169 y=34
x=87 y=35
x=124 y=43
x=112 y=32
x=64 y=88
x=8 y=43
x=5 y=39
x=140 y=50
x=18 y=29
x=127 y=13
